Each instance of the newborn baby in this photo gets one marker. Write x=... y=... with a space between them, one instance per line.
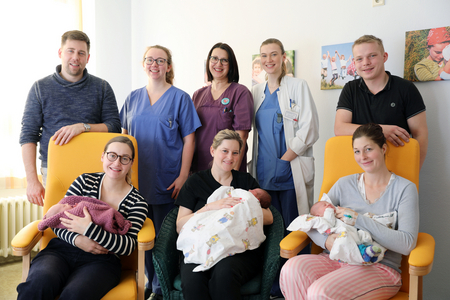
x=352 y=246
x=213 y=235
x=101 y=213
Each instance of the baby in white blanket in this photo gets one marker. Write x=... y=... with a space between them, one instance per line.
x=213 y=235
x=353 y=246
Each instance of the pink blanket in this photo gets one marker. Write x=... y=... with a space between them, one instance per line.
x=102 y=214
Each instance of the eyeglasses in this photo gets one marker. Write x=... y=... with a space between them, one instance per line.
x=159 y=61
x=112 y=156
x=215 y=60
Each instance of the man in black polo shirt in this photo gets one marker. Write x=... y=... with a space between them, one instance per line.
x=381 y=98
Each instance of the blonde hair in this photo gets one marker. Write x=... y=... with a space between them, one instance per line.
x=283 y=64
x=227 y=134
x=369 y=39
x=171 y=74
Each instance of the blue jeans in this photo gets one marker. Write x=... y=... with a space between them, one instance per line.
x=65 y=270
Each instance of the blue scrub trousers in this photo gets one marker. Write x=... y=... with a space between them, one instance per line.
x=65 y=270
x=156 y=213
x=286 y=203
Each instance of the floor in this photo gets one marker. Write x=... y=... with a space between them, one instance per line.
x=10 y=267
x=10 y=277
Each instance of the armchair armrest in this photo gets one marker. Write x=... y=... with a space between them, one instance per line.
x=146 y=241
x=26 y=239
x=421 y=258
x=146 y=236
x=420 y=264
x=165 y=254
x=24 y=242
x=293 y=243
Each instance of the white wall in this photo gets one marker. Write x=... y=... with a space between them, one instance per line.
x=190 y=28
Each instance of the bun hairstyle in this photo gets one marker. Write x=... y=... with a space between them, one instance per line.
x=372 y=131
x=227 y=134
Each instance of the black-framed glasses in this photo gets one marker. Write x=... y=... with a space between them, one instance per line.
x=215 y=60
x=113 y=156
x=159 y=61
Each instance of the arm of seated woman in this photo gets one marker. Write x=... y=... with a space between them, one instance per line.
x=88 y=245
x=267 y=216
x=184 y=214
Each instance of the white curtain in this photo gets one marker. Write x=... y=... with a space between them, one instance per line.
x=30 y=38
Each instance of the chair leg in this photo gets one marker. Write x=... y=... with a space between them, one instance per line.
x=141 y=275
x=415 y=287
x=26 y=261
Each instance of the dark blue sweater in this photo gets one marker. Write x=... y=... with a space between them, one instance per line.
x=53 y=103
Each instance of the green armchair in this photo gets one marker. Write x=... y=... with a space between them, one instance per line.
x=166 y=260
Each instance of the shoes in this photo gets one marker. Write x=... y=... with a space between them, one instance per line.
x=154 y=296
x=147 y=293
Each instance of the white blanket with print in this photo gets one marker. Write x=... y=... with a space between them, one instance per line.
x=210 y=236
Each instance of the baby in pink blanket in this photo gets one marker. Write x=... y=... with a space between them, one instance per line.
x=101 y=213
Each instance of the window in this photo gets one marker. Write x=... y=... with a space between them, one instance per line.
x=31 y=37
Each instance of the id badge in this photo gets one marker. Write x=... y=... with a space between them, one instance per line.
x=291 y=115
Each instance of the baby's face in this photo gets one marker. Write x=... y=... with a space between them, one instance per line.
x=256 y=193
x=324 y=56
x=319 y=208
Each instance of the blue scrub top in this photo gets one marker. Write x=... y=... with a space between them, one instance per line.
x=273 y=173
x=159 y=130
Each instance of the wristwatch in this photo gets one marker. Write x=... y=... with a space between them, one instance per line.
x=87 y=127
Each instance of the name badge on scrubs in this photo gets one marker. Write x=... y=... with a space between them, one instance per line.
x=291 y=115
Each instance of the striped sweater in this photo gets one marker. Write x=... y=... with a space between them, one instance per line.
x=133 y=207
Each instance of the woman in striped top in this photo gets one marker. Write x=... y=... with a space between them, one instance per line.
x=83 y=262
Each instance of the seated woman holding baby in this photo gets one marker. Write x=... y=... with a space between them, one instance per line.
x=224 y=279
x=83 y=261
x=378 y=191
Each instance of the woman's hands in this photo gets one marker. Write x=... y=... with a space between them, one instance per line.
x=77 y=224
x=330 y=241
x=223 y=203
x=346 y=215
x=88 y=245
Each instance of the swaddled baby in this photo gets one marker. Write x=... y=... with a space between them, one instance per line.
x=213 y=235
x=352 y=246
x=101 y=213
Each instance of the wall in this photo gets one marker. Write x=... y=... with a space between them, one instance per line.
x=190 y=28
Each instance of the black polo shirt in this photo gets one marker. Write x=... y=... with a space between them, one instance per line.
x=394 y=105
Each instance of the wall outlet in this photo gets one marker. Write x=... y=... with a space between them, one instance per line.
x=377 y=3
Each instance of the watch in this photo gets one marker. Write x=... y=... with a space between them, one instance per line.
x=87 y=127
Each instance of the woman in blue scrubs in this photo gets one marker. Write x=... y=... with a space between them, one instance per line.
x=163 y=120
x=286 y=126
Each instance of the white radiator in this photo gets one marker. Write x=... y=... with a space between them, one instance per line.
x=15 y=213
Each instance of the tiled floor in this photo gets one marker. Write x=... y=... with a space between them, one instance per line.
x=10 y=277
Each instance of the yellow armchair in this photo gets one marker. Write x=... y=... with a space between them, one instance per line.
x=65 y=163
x=403 y=161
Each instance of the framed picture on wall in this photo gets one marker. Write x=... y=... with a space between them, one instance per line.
x=336 y=66
x=427 y=53
x=258 y=73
